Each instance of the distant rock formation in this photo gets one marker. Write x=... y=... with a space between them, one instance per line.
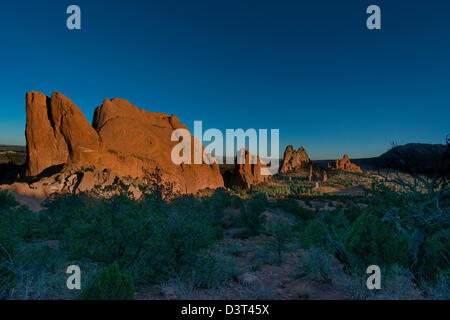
x=294 y=160
x=123 y=139
x=245 y=174
x=345 y=165
x=325 y=176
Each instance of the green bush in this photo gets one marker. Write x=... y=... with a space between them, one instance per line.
x=437 y=254
x=16 y=227
x=8 y=277
x=288 y=205
x=370 y=243
x=252 y=221
x=174 y=243
x=17 y=224
x=7 y=201
x=212 y=271
x=112 y=284
x=216 y=204
x=280 y=231
x=61 y=210
x=313 y=235
x=237 y=202
x=251 y=217
x=319 y=264
x=304 y=214
x=258 y=203
x=113 y=230
x=352 y=213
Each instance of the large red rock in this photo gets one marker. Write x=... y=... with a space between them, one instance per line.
x=294 y=160
x=345 y=165
x=245 y=174
x=122 y=138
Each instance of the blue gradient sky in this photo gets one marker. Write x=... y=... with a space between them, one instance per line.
x=309 y=68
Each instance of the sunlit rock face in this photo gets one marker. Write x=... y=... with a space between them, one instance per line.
x=344 y=164
x=122 y=138
x=294 y=160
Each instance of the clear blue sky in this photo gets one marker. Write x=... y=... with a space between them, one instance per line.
x=309 y=68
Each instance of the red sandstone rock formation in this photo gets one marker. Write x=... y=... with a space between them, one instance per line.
x=345 y=165
x=294 y=160
x=245 y=174
x=57 y=133
x=122 y=138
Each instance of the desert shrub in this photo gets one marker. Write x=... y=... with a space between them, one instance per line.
x=417 y=210
x=241 y=192
x=385 y=194
x=319 y=264
x=153 y=202
x=16 y=227
x=257 y=203
x=437 y=254
x=220 y=199
x=313 y=235
x=370 y=243
x=234 y=249
x=174 y=243
x=61 y=210
x=280 y=231
x=111 y=284
x=251 y=217
x=397 y=283
x=152 y=238
x=288 y=205
x=237 y=202
x=40 y=273
x=7 y=201
x=339 y=222
x=273 y=190
x=113 y=230
x=17 y=223
x=252 y=221
x=304 y=214
x=177 y=288
x=212 y=271
x=440 y=289
x=210 y=210
x=216 y=204
x=188 y=203
x=259 y=257
x=352 y=213
x=8 y=277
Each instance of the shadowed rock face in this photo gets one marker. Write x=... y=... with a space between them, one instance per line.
x=345 y=165
x=122 y=138
x=246 y=175
x=294 y=160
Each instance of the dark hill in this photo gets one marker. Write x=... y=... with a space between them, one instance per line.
x=417 y=157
